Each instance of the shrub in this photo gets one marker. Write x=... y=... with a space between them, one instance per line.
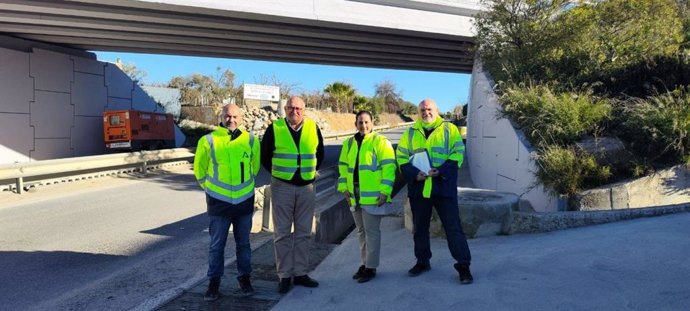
x=548 y=117
x=658 y=128
x=564 y=171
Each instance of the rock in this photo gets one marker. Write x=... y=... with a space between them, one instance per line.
x=606 y=150
x=482 y=213
x=258 y=124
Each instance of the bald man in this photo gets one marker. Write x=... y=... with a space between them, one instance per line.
x=292 y=152
x=225 y=164
x=435 y=188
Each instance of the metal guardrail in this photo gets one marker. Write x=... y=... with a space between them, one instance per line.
x=324 y=185
x=376 y=128
x=19 y=171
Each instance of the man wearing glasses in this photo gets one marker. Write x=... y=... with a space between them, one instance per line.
x=293 y=153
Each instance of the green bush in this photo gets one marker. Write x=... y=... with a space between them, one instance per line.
x=193 y=134
x=658 y=128
x=548 y=117
x=565 y=171
x=583 y=43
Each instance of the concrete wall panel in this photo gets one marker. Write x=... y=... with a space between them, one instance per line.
x=52 y=115
x=118 y=104
x=52 y=71
x=51 y=148
x=118 y=83
x=142 y=101
x=507 y=151
x=502 y=161
x=89 y=95
x=87 y=136
x=52 y=103
x=16 y=86
x=16 y=138
x=86 y=65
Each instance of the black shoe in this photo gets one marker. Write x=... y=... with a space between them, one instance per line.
x=465 y=275
x=358 y=274
x=418 y=269
x=367 y=275
x=305 y=280
x=212 y=292
x=245 y=285
x=284 y=285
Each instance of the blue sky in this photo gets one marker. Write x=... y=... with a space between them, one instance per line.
x=448 y=89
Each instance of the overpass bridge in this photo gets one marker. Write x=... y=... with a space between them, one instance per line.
x=430 y=35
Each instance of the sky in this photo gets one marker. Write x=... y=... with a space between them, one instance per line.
x=447 y=89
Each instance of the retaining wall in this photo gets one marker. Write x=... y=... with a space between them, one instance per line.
x=53 y=99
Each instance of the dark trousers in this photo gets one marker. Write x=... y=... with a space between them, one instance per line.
x=447 y=209
x=240 y=217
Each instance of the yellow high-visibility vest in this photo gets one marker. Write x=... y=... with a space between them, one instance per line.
x=226 y=168
x=444 y=143
x=376 y=168
x=288 y=157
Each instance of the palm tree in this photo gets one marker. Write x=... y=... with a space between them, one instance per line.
x=341 y=95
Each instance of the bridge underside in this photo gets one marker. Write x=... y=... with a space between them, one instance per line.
x=147 y=27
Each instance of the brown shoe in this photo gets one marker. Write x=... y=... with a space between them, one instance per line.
x=367 y=275
x=359 y=272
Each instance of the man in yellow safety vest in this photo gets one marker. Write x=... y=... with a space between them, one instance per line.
x=292 y=150
x=226 y=163
x=429 y=155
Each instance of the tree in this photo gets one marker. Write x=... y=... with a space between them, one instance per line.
x=574 y=42
x=130 y=69
x=314 y=99
x=392 y=98
x=408 y=108
x=202 y=90
x=341 y=95
x=287 y=89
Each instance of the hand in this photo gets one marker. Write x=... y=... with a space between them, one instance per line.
x=421 y=176
x=382 y=199
x=434 y=172
x=347 y=197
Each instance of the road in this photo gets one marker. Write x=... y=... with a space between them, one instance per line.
x=113 y=242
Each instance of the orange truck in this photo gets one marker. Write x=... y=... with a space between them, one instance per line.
x=132 y=130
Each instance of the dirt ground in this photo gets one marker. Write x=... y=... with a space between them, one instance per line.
x=343 y=122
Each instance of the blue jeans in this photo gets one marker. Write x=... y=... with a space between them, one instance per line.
x=218 y=230
x=447 y=209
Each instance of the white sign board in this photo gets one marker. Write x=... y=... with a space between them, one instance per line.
x=261 y=92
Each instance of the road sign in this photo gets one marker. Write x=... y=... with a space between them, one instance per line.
x=261 y=92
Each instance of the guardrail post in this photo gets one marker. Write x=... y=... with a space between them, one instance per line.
x=20 y=185
x=143 y=167
x=266 y=217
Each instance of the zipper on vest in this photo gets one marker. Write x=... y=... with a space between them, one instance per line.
x=241 y=172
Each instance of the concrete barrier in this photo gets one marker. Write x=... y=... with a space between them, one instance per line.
x=332 y=217
x=482 y=213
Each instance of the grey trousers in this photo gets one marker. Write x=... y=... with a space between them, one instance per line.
x=292 y=205
x=369 y=233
